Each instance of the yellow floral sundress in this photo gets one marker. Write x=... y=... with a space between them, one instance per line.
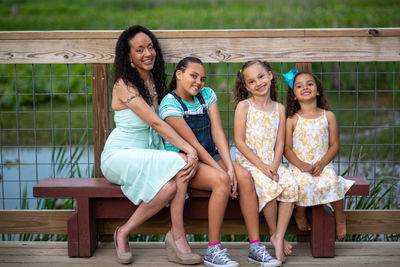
x=261 y=134
x=310 y=144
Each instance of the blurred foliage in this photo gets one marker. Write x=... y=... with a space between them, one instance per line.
x=196 y=14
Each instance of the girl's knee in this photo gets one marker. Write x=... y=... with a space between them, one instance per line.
x=245 y=181
x=243 y=173
x=222 y=183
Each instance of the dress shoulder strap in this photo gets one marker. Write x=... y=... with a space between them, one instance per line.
x=249 y=102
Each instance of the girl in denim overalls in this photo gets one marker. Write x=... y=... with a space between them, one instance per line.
x=192 y=110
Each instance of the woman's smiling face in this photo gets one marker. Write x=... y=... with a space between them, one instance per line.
x=142 y=53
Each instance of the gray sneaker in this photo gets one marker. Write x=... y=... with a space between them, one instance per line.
x=259 y=254
x=216 y=257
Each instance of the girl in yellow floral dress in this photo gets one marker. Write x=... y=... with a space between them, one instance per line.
x=312 y=142
x=259 y=130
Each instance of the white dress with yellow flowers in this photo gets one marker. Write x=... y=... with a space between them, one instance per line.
x=310 y=144
x=261 y=134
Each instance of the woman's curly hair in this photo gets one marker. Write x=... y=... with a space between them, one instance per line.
x=293 y=105
x=239 y=90
x=124 y=71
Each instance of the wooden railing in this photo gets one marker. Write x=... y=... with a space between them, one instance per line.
x=302 y=46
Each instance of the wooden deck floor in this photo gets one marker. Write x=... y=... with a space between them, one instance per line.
x=154 y=254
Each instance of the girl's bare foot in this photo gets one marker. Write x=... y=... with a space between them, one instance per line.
x=340 y=227
x=279 y=250
x=287 y=248
x=302 y=222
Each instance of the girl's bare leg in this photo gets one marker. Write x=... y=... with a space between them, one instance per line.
x=340 y=219
x=270 y=214
x=285 y=210
x=301 y=219
x=216 y=181
x=248 y=200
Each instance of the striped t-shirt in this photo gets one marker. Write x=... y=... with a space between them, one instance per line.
x=169 y=106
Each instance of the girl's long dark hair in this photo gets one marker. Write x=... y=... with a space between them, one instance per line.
x=293 y=105
x=182 y=64
x=239 y=90
x=124 y=71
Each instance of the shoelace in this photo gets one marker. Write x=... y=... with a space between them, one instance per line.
x=223 y=254
x=265 y=255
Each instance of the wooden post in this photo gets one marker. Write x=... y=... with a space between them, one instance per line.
x=101 y=103
x=307 y=67
x=322 y=232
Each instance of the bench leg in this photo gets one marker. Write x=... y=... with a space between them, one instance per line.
x=322 y=232
x=73 y=238
x=87 y=229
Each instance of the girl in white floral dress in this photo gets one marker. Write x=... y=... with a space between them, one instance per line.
x=259 y=130
x=312 y=142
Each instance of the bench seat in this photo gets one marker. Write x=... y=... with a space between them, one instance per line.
x=99 y=199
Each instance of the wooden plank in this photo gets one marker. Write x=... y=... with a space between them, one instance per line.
x=55 y=221
x=218 y=33
x=351 y=32
x=57 y=51
x=154 y=254
x=34 y=221
x=101 y=107
x=76 y=187
x=107 y=227
x=373 y=221
x=360 y=188
x=212 y=50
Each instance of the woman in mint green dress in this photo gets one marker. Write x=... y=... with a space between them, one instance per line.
x=134 y=155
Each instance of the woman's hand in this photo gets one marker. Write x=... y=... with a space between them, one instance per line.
x=318 y=168
x=233 y=182
x=190 y=169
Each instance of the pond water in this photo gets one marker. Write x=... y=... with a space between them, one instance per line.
x=24 y=167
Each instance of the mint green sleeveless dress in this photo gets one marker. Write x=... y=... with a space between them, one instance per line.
x=134 y=157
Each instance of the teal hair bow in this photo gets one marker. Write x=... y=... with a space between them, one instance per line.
x=290 y=76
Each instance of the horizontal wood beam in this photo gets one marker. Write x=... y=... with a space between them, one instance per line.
x=212 y=46
x=222 y=33
x=55 y=221
x=34 y=221
x=373 y=221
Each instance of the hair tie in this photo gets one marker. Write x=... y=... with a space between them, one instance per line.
x=290 y=76
x=240 y=70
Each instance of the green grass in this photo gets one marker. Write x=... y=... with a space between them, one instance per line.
x=197 y=14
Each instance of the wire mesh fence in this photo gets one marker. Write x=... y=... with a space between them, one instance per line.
x=47 y=127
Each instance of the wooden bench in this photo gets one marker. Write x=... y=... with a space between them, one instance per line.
x=99 y=199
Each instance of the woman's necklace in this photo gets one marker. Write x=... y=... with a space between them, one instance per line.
x=154 y=93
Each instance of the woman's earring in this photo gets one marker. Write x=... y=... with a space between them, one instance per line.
x=133 y=65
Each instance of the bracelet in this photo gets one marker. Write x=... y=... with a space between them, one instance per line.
x=193 y=156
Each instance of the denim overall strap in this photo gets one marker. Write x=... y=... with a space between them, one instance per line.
x=185 y=109
x=202 y=102
x=200 y=125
